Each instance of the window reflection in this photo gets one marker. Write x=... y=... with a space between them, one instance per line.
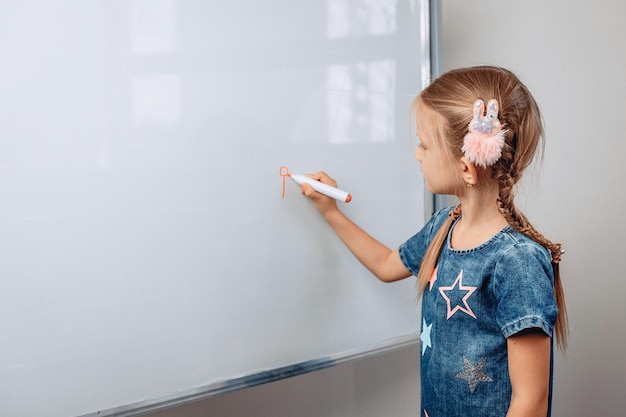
x=155 y=97
x=348 y=19
x=366 y=111
x=342 y=65
x=156 y=28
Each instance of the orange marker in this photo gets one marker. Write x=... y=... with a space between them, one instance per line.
x=318 y=186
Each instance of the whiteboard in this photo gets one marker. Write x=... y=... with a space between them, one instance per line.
x=145 y=250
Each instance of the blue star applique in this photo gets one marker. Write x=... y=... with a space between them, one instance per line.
x=425 y=336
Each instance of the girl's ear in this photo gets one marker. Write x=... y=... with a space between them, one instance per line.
x=468 y=172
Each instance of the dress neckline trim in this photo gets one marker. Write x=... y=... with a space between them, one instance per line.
x=505 y=230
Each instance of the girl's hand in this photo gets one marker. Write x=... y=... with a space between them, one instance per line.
x=323 y=203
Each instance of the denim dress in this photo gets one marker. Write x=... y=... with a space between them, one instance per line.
x=474 y=301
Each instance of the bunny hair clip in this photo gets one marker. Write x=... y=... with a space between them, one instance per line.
x=483 y=143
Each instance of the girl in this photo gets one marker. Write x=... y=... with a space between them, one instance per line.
x=492 y=296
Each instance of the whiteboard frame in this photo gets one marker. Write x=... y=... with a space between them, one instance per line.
x=253 y=380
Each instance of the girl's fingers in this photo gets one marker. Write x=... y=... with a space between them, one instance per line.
x=321 y=176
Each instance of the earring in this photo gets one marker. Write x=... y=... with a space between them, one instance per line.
x=469 y=184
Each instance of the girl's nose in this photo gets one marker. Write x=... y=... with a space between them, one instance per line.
x=418 y=154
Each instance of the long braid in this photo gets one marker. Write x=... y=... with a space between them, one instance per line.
x=507 y=172
x=519 y=222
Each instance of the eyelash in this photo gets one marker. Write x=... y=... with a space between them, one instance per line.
x=421 y=146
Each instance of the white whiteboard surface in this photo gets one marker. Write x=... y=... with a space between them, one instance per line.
x=144 y=246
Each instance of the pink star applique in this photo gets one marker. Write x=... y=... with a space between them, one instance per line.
x=458 y=286
x=433 y=278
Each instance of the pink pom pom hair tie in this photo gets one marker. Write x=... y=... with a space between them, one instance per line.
x=483 y=143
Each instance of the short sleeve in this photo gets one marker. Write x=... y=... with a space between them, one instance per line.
x=412 y=251
x=523 y=285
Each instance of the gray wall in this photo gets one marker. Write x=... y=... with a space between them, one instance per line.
x=572 y=54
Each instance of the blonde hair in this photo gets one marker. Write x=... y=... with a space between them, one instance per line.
x=452 y=96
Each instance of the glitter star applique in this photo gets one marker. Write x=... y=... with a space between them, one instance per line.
x=474 y=373
x=452 y=290
x=425 y=336
x=433 y=278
